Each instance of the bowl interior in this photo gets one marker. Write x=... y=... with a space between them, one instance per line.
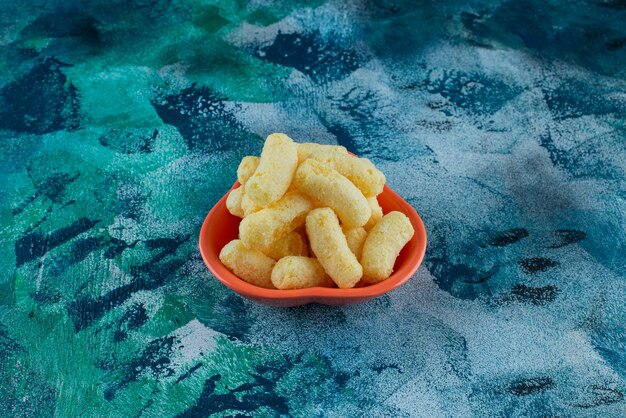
x=220 y=227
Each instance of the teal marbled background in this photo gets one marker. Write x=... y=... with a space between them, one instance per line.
x=501 y=122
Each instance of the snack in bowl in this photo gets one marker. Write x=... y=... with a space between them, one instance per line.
x=330 y=246
x=377 y=213
x=291 y=244
x=355 y=238
x=262 y=228
x=360 y=171
x=310 y=218
x=296 y=272
x=383 y=244
x=250 y=265
x=305 y=149
x=273 y=175
x=331 y=189
x=247 y=167
x=234 y=202
x=247 y=205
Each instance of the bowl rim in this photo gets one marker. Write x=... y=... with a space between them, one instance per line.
x=398 y=277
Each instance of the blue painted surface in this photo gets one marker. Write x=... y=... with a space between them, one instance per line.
x=501 y=122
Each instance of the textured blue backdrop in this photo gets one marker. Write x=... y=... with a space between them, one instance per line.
x=502 y=122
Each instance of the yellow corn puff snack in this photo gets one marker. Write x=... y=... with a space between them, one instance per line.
x=377 y=213
x=260 y=229
x=294 y=272
x=383 y=244
x=355 y=238
x=305 y=149
x=248 y=206
x=246 y=168
x=233 y=202
x=302 y=231
x=331 y=248
x=273 y=176
x=360 y=171
x=291 y=244
x=250 y=265
x=319 y=181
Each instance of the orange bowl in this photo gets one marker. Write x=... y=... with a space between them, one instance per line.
x=220 y=227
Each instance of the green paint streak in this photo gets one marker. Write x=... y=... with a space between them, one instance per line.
x=169 y=317
x=55 y=352
x=208 y=18
x=115 y=97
